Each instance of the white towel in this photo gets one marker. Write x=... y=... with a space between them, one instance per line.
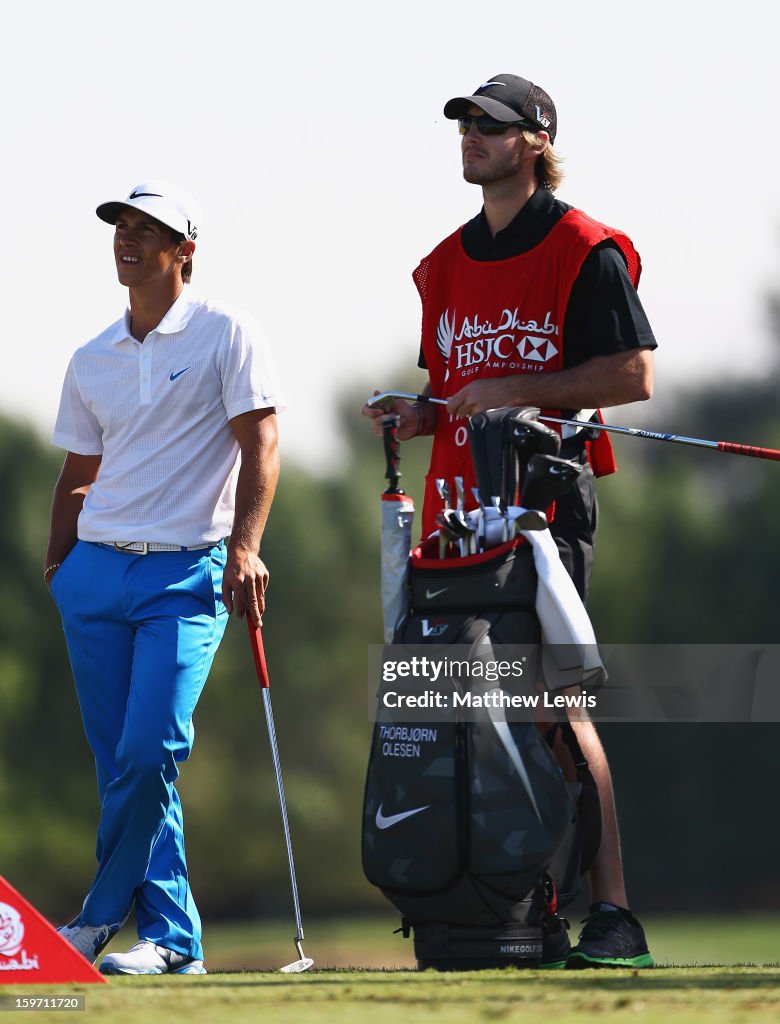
x=570 y=655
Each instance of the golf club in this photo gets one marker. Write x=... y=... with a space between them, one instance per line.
x=729 y=447
x=465 y=535
x=303 y=963
x=481 y=529
x=523 y=436
x=501 y=512
x=458 y=527
x=527 y=519
x=444 y=539
x=489 y=454
x=447 y=535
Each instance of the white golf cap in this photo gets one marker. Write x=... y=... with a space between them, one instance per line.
x=164 y=201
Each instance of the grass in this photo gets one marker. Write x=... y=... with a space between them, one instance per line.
x=721 y=994
x=370 y=942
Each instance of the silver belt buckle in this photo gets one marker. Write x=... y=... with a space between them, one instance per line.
x=130 y=550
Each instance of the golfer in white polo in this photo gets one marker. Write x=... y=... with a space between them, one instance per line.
x=168 y=419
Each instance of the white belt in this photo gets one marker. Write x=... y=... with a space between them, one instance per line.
x=142 y=547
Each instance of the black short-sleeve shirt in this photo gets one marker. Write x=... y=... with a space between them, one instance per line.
x=604 y=314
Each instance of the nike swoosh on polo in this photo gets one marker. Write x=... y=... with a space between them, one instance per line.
x=140 y=195
x=430 y=594
x=173 y=376
x=393 y=819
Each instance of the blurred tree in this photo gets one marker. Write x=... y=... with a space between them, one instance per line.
x=689 y=553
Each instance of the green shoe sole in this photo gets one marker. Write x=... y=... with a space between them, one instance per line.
x=580 y=961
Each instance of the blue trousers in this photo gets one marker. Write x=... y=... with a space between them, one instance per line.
x=142 y=632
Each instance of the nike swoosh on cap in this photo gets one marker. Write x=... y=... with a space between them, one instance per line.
x=393 y=819
x=140 y=195
x=173 y=376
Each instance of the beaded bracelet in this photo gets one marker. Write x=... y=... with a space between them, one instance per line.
x=50 y=568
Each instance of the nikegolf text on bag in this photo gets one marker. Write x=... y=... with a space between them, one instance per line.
x=469 y=827
x=729 y=447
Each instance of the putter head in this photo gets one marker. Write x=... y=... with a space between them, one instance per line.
x=299 y=966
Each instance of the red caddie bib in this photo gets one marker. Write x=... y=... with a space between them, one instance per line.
x=495 y=318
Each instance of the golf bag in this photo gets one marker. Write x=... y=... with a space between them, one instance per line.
x=469 y=827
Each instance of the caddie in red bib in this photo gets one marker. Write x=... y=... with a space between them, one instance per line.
x=534 y=303
x=492 y=319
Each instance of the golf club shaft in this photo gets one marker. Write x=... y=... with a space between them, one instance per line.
x=722 y=446
x=269 y=715
x=729 y=447
x=256 y=641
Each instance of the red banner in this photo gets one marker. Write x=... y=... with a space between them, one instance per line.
x=32 y=952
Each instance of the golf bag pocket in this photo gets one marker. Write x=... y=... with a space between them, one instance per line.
x=413 y=808
x=492 y=601
x=505 y=579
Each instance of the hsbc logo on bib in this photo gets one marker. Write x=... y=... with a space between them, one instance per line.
x=507 y=342
x=537 y=349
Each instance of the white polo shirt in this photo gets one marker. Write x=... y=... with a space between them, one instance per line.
x=159 y=413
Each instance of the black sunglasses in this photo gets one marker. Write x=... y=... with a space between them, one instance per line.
x=487 y=125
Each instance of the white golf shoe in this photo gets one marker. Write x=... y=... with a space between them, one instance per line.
x=88 y=939
x=147 y=958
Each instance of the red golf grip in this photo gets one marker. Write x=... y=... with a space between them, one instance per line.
x=258 y=652
x=749 y=449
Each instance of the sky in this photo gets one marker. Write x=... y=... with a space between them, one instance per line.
x=313 y=137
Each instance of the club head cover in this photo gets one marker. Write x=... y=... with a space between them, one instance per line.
x=531 y=436
x=524 y=437
x=547 y=478
x=486 y=438
x=527 y=412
